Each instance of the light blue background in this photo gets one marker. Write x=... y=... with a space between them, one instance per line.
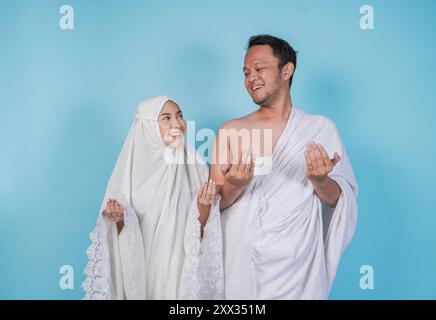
x=67 y=99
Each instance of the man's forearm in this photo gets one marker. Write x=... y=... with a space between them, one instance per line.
x=328 y=191
x=229 y=194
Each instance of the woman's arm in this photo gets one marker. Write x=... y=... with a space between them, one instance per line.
x=205 y=197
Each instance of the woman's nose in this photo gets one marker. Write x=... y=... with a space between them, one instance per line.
x=176 y=124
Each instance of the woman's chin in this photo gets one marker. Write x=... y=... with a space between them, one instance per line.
x=176 y=143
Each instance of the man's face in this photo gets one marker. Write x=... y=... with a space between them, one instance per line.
x=262 y=74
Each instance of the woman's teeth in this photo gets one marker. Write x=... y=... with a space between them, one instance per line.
x=175 y=133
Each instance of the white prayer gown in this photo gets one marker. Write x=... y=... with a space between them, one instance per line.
x=279 y=240
x=157 y=188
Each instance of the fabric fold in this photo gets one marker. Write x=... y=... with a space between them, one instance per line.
x=280 y=241
x=203 y=271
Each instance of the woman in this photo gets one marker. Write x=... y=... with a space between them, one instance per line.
x=150 y=211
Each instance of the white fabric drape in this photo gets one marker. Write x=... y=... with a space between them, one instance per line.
x=145 y=260
x=278 y=240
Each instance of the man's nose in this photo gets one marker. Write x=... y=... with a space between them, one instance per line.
x=251 y=78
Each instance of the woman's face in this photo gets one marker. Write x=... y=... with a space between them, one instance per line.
x=171 y=124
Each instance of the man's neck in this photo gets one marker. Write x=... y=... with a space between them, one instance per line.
x=281 y=108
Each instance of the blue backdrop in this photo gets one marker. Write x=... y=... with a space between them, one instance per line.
x=67 y=99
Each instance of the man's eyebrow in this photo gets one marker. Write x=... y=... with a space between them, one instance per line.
x=165 y=114
x=255 y=64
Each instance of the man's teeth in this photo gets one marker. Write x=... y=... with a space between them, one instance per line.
x=257 y=87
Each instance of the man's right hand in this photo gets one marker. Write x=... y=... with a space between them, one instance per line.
x=240 y=173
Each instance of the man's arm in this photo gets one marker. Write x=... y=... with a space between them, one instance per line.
x=236 y=177
x=328 y=191
x=319 y=165
x=229 y=194
x=231 y=178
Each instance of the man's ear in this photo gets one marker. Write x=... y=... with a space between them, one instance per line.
x=288 y=70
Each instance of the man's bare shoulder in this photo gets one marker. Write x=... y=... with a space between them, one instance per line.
x=240 y=123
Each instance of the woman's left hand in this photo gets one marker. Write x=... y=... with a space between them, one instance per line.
x=206 y=196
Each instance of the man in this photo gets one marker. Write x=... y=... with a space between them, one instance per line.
x=285 y=228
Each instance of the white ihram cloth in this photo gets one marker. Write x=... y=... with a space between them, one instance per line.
x=279 y=240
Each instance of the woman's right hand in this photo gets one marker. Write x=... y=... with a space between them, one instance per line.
x=114 y=211
x=207 y=194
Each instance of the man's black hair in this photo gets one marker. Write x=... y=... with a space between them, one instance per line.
x=282 y=50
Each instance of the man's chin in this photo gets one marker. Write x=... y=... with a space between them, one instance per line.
x=264 y=100
x=259 y=101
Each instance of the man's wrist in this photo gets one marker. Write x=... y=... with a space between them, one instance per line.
x=230 y=187
x=320 y=182
x=230 y=193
